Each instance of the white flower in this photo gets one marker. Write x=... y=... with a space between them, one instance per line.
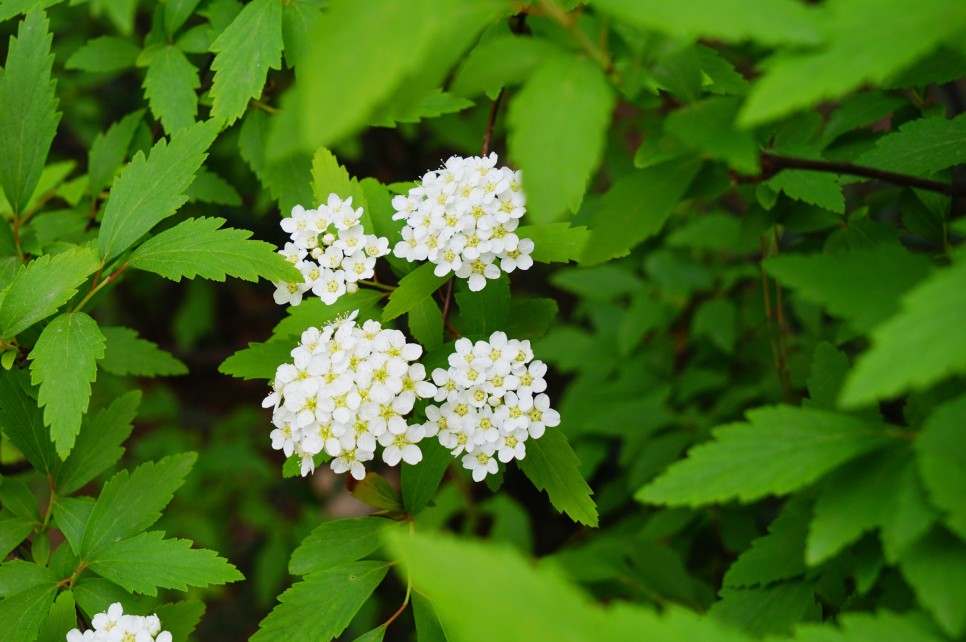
x=481 y=462
x=403 y=446
x=114 y=626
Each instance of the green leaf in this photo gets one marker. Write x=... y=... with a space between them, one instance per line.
x=314 y=313
x=107 y=53
x=23 y=422
x=484 y=312
x=557 y=124
x=375 y=635
x=17 y=576
x=198 y=247
x=321 y=606
x=922 y=146
x=854 y=499
x=428 y=627
x=603 y=282
x=290 y=179
x=169 y=86
x=829 y=367
x=146 y=562
x=552 y=466
x=413 y=289
x=109 y=150
x=767 y=610
x=636 y=207
x=131 y=502
x=419 y=483
x=71 y=515
x=259 y=360
x=61 y=619
x=717 y=320
x=150 y=190
x=28 y=120
x=18 y=499
x=338 y=542
x=63 y=365
x=128 y=354
x=776 y=22
x=935 y=568
x=208 y=187
x=181 y=618
x=868 y=40
x=298 y=20
x=708 y=126
x=329 y=177
x=13 y=531
x=22 y=614
x=862 y=286
x=176 y=12
x=868 y=627
x=905 y=352
x=499 y=61
x=816 y=188
x=555 y=242
x=425 y=322
x=779 y=555
x=941 y=451
x=42 y=286
x=530 y=319
x=779 y=450
x=375 y=491
x=245 y=51
x=98 y=445
x=436 y=103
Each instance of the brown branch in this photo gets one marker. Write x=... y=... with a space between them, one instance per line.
x=491 y=121
x=772 y=164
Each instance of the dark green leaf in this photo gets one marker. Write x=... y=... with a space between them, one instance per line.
x=767 y=610
x=314 y=313
x=338 y=542
x=434 y=104
x=555 y=242
x=428 y=627
x=935 y=567
x=485 y=312
x=829 y=367
x=23 y=423
x=211 y=188
x=922 y=146
x=530 y=319
x=419 y=483
x=708 y=126
x=941 y=451
x=375 y=491
x=181 y=618
x=128 y=354
x=425 y=322
x=13 y=531
x=500 y=61
x=552 y=466
x=107 y=53
x=779 y=555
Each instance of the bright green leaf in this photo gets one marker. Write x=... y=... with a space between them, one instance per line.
x=413 y=288
x=258 y=360
x=61 y=618
x=170 y=86
x=107 y=53
x=63 y=364
x=555 y=242
x=298 y=20
x=434 y=104
x=329 y=177
x=128 y=354
x=245 y=51
x=13 y=531
x=500 y=61
x=176 y=12
x=922 y=146
x=552 y=466
x=338 y=542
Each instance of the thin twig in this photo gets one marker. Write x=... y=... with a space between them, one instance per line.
x=488 y=134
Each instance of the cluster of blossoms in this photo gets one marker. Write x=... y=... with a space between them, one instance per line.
x=330 y=249
x=114 y=626
x=462 y=218
x=348 y=389
x=493 y=402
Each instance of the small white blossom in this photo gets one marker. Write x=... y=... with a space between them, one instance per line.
x=114 y=626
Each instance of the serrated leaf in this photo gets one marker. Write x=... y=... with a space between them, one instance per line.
x=905 y=353
x=329 y=177
x=150 y=190
x=375 y=491
x=867 y=41
x=289 y=179
x=98 y=445
x=779 y=450
x=854 y=499
x=500 y=61
x=338 y=542
x=198 y=247
x=128 y=354
x=922 y=146
x=484 y=312
x=23 y=422
x=434 y=104
x=107 y=53
x=22 y=614
x=146 y=562
x=557 y=124
x=169 y=86
x=555 y=242
x=708 y=126
x=63 y=364
x=862 y=286
x=321 y=606
x=208 y=187
x=776 y=22
x=419 y=483
x=244 y=52
x=636 y=207
x=28 y=120
x=109 y=150
x=131 y=502
x=816 y=188
x=935 y=568
x=42 y=286
x=552 y=466
x=941 y=451
x=258 y=360
x=413 y=289
x=767 y=610
x=61 y=618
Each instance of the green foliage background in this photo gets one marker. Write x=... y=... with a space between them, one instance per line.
x=750 y=287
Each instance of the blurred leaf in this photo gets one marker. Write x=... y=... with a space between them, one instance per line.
x=176 y=12
x=290 y=179
x=169 y=86
x=816 y=188
x=131 y=502
x=180 y=618
x=258 y=360
x=555 y=242
x=211 y=188
x=922 y=146
x=200 y=247
x=530 y=319
x=500 y=61
x=413 y=288
x=935 y=568
x=28 y=120
x=708 y=126
x=338 y=542
x=146 y=562
x=436 y=103
x=557 y=126
x=419 y=483
x=767 y=610
x=779 y=450
x=941 y=451
x=552 y=466
x=603 y=282
x=375 y=491
x=63 y=365
x=244 y=52
x=636 y=207
x=298 y=21
x=150 y=190
x=428 y=627
x=869 y=627
x=374 y=635
x=716 y=319
x=829 y=367
x=109 y=150
x=905 y=352
x=104 y=54
x=128 y=354
x=485 y=312
x=321 y=606
x=779 y=555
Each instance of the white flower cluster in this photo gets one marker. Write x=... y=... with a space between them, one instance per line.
x=330 y=249
x=347 y=390
x=462 y=218
x=493 y=402
x=114 y=626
